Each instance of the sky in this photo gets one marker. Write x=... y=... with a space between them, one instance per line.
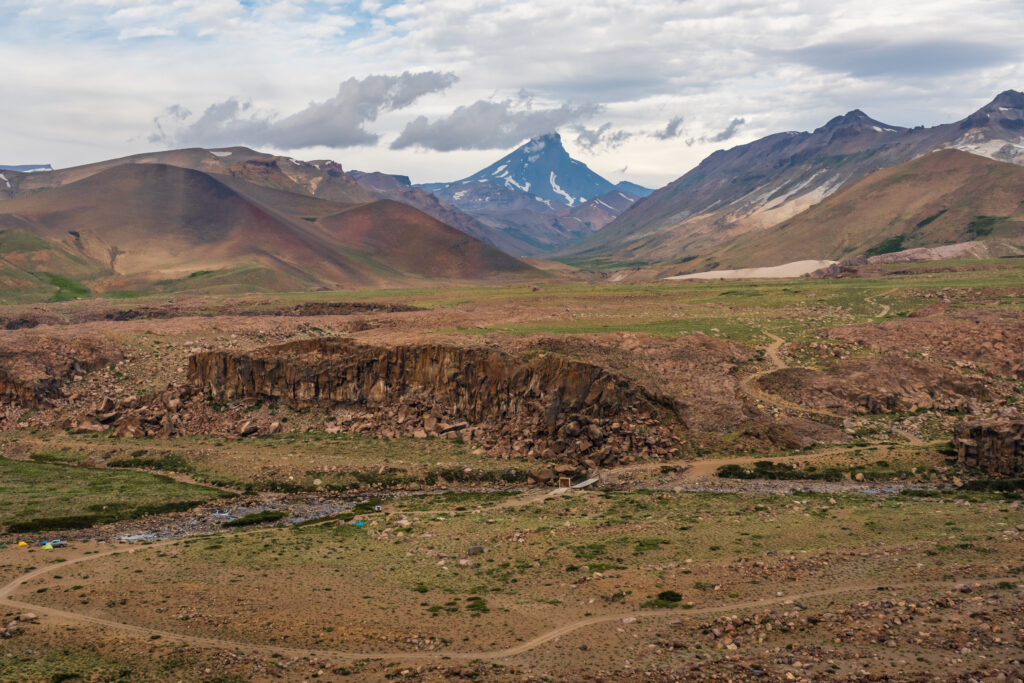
x=437 y=89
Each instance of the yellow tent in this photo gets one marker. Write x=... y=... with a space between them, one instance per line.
x=22 y=544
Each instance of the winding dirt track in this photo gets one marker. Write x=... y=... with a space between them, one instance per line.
x=66 y=617
x=885 y=307
x=748 y=385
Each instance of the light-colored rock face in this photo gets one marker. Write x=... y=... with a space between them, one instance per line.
x=794 y=269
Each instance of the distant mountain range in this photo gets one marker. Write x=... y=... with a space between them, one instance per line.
x=234 y=219
x=29 y=168
x=225 y=220
x=755 y=186
x=940 y=198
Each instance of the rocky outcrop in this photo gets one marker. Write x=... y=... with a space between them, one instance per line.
x=544 y=405
x=26 y=392
x=132 y=417
x=34 y=370
x=995 y=446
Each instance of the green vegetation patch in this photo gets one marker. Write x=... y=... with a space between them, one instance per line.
x=995 y=485
x=888 y=246
x=664 y=599
x=766 y=469
x=258 y=518
x=982 y=226
x=67 y=288
x=931 y=219
x=31 y=491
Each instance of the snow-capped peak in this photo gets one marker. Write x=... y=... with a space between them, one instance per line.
x=542 y=167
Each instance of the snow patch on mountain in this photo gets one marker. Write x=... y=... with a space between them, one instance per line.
x=570 y=200
x=29 y=168
x=510 y=182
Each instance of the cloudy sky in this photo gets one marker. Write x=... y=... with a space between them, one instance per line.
x=437 y=89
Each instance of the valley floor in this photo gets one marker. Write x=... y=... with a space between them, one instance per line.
x=810 y=522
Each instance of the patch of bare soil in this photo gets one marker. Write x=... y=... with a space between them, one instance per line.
x=193 y=307
x=883 y=385
x=989 y=340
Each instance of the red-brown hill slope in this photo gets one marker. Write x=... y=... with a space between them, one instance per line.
x=412 y=242
x=939 y=198
x=155 y=221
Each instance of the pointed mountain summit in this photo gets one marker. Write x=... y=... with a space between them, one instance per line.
x=543 y=168
x=537 y=198
x=857 y=121
x=1008 y=99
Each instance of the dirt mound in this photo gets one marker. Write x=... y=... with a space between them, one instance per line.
x=883 y=385
x=544 y=406
x=993 y=341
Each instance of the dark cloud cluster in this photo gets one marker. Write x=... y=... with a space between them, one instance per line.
x=336 y=122
x=673 y=129
x=603 y=136
x=490 y=125
x=729 y=132
x=901 y=59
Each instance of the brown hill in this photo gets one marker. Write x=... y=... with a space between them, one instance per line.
x=410 y=241
x=755 y=186
x=141 y=223
x=321 y=179
x=940 y=198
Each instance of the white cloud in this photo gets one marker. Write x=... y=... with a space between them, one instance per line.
x=490 y=125
x=336 y=122
x=778 y=65
x=144 y=32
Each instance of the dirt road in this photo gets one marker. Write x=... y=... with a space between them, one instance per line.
x=58 y=616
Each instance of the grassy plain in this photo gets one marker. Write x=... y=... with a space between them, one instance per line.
x=669 y=573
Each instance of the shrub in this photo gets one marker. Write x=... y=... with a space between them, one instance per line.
x=258 y=518
x=477 y=605
x=664 y=599
x=894 y=243
x=995 y=485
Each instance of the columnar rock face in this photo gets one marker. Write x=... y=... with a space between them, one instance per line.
x=528 y=404
x=995 y=446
